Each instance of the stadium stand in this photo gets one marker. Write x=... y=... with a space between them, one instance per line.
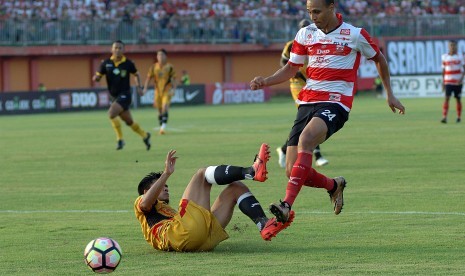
x=58 y=22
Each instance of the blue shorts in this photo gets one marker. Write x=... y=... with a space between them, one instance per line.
x=332 y=113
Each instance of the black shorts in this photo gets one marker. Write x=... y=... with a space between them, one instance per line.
x=333 y=114
x=456 y=89
x=123 y=99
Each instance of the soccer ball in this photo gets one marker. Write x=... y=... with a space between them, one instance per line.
x=102 y=255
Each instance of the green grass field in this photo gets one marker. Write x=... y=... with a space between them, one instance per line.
x=63 y=184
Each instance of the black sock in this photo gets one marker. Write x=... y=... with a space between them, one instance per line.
x=316 y=152
x=164 y=117
x=225 y=174
x=284 y=148
x=334 y=187
x=250 y=206
x=160 y=119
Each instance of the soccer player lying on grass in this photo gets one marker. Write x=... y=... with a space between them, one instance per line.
x=197 y=226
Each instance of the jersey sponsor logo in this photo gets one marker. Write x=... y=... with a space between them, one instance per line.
x=335 y=97
x=321 y=60
x=339 y=49
x=116 y=71
x=345 y=32
x=343 y=38
x=322 y=52
x=325 y=40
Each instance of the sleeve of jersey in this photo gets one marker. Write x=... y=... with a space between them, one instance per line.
x=101 y=70
x=173 y=73
x=133 y=68
x=298 y=51
x=137 y=204
x=366 y=45
x=150 y=72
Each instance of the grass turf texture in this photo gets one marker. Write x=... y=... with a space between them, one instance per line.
x=64 y=184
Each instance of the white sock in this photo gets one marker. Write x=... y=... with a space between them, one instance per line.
x=210 y=174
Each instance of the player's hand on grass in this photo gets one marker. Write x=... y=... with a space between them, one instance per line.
x=170 y=162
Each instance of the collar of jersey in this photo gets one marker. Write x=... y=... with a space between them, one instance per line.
x=123 y=59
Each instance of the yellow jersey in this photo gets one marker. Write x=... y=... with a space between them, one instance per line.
x=164 y=77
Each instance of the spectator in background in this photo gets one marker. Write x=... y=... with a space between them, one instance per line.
x=185 y=78
x=41 y=87
x=453 y=71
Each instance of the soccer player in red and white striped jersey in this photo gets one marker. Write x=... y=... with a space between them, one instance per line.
x=453 y=71
x=334 y=49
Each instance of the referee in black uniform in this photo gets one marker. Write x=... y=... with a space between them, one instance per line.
x=116 y=70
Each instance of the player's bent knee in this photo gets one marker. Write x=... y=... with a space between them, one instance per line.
x=237 y=188
x=201 y=173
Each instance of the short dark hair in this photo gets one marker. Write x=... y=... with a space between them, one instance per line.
x=453 y=41
x=148 y=181
x=118 y=41
x=163 y=51
x=329 y=2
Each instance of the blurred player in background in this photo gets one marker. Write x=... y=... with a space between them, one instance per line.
x=453 y=71
x=117 y=69
x=197 y=226
x=333 y=50
x=164 y=77
x=296 y=84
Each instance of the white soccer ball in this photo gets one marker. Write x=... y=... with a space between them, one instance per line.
x=102 y=255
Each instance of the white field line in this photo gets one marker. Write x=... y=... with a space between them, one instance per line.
x=298 y=212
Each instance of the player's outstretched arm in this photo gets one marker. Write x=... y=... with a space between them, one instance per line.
x=152 y=194
x=383 y=71
x=282 y=75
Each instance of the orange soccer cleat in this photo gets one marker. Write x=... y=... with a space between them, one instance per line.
x=259 y=164
x=273 y=227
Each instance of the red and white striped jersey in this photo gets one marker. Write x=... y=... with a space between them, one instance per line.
x=452 y=66
x=333 y=61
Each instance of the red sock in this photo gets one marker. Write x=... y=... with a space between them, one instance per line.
x=300 y=172
x=318 y=180
x=459 y=109
x=445 y=108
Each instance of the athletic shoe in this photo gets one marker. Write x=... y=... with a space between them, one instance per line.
x=147 y=141
x=259 y=164
x=120 y=145
x=444 y=121
x=162 y=128
x=273 y=227
x=320 y=162
x=337 y=197
x=458 y=120
x=281 y=211
x=281 y=157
